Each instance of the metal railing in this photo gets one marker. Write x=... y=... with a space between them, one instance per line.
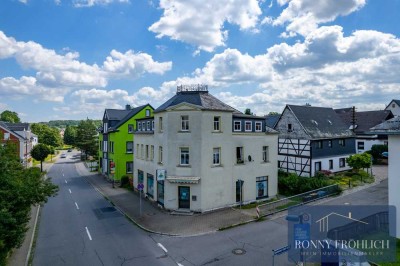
x=270 y=208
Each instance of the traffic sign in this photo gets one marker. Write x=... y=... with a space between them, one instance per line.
x=140 y=186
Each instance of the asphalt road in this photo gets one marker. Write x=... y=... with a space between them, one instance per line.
x=256 y=239
x=80 y=227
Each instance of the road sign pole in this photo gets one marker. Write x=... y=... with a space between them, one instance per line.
x=140 y=203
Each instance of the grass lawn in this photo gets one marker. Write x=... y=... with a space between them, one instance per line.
x=48 y=159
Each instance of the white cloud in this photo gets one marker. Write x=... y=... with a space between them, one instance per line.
x=23 y=1
x=304 y=16
x=133 y=65
x=201 y=23
x=90 y=3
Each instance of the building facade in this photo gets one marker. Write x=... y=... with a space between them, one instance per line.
x=394 y=107
x=312 y=139
x=202 y=154
x=116 y=141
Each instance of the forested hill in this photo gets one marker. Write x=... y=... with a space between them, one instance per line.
x=65 y=123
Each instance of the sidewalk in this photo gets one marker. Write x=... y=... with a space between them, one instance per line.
x=157 y=220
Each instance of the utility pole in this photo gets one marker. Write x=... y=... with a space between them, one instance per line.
x=353 y=118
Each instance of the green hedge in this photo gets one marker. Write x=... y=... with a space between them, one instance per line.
x=292 y=184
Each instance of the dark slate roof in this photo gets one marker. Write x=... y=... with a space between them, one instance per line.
x=364 y=120
x=116 y=114
x=320 y=122
x=239 y=115
x=17 y=126
x=271 y=120
x=6 y=125
x=202 y=99
x=128 y=115
x=389 y=127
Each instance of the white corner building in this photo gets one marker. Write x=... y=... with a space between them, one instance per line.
x=199 y=154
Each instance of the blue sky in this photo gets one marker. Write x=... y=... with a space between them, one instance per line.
x=70 y=59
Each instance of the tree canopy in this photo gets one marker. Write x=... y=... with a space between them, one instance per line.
x=47 y=135
x=40 y=153
x=19 y=189
x=10 y=116
x=358 y=161
x=70 y=135
x=86 y=137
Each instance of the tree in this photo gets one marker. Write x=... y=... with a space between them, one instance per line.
x=9 y=116
x=273 y=113
x=19 y=189
x=248 y=111
x=70 y=135
x=358 y=161
x=40 y=153
x=86 y=137
x=47 y=135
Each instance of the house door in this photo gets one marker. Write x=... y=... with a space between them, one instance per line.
x=239 y=190
x=184 y=197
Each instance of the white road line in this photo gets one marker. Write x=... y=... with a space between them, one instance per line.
x=88 y=233
x=66 y=182
x=63 y=174
x=179 y=264
x=77 y=207
x=70 y=192
x=162 y=247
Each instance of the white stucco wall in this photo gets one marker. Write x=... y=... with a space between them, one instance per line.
x=394 y=107
x=368 y=143
x=394 y=177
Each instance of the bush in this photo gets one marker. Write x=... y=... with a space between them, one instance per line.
x=124 y=181
x=376 y=151
x=293 y=184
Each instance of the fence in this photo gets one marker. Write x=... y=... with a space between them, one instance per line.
x=296 y=200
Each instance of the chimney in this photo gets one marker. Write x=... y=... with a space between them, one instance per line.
x=128 y=107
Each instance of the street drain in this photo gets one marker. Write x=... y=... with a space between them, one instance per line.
x=239 y=251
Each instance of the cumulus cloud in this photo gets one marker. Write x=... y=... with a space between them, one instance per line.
x=201 y=23
x=304 y=16
x=90 y=3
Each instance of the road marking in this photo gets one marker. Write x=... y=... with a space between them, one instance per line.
x=77 y=207
x=66 y=182
x=162 y=247
x=70 y=192
x=179 y=264
x=88 y=233
x=63 y=174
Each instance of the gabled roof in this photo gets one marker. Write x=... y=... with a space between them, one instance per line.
x=18 y=126
x=320 y=122
x=116 y=114
x=271 y=120
x=128 y=115
x=389 y=127
x=394 y=100
x=202 y=99
x=364 y=120
x=6 y=127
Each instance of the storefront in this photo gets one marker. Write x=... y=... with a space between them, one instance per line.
x=150 y=185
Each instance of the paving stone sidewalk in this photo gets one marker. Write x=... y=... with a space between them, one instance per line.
x=157 y=220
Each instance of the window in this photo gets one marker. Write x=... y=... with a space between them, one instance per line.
x=330 y=143
x=160 y=124
x=258 y=126
x=319 y=144
x=247 y=126
x=150 y=185
x=265 y=154
x=112 y=146
x=262 y=187
x=360 y=145
x=105 y=127
x=152 y=125
x=147 y=152
x=237 y=125
x=216 y=156
x=142 y=151
x=185 y=123
x=342 y=142
x=130 y=128
x=184 y=156
x=148 y=125
x=129 y=147
x=217 y=120
x=6 y=136
x=317 y=167
x=289 y=128
x=139 y=126
x=137 y=151
x=330 y=164
x=160 y=154
x=342 y=162
x=105 y=146
x=152 y=152
x=147 y=112
x=393 y=105
x=144 y=126
x=129 y=167
x=239 y=155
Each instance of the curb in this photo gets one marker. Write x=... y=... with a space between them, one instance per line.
x=33 y=236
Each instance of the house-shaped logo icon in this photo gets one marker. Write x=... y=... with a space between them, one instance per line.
x=324 y=221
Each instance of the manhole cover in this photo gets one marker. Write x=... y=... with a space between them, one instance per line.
x=239 y=251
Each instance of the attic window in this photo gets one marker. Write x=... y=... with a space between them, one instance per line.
x=289 y=128
x=393 y=105
x=147 y=112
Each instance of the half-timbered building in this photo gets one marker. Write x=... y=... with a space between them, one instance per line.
x=312 y=139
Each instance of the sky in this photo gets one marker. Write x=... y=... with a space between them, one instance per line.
x=71 y=59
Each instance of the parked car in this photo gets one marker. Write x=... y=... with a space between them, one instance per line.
x=69 y=150
x=63 y=155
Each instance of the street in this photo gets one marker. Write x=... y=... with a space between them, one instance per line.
x=80 y=227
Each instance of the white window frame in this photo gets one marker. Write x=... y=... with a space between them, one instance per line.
x=152 y=152
x=160 y=154
x=160 y=124
x=241 y=159
x=265 y=154
x=105 y=127
x=148 y=125
x=144 y=126
x=235 y=123
x=185 y=123
x=137 y=150
x=217 y=156
x=147 y=112
x=139 y=126
x=147 y=152
x=130 y=128
x=105 y=146
x=127 y=147
x=258 y=124
x=184 y=151
x=130 y=163
x=245 y=126
x=344 y=162
x=152 y=125
x=217 y=123
x=6 y=135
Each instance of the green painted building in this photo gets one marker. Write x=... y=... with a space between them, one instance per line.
x=116 y=141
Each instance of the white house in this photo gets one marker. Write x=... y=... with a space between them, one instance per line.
x=392 y=129
x=394 y=106
x=202 y=154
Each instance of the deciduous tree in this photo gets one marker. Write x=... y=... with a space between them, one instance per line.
x=40 y=153
x=86 y=137
x=9 y=116
x=358 y=161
